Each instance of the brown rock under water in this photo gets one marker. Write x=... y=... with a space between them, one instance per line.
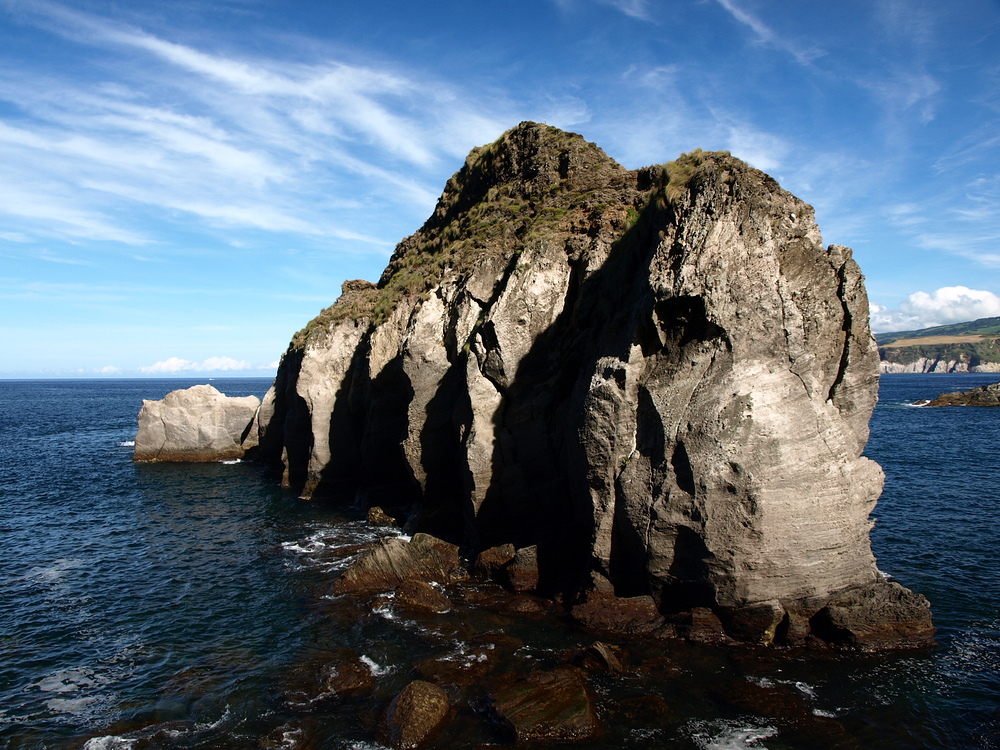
x=414 y=715
x=554 y=706
x=393 y=560
x=421 y=595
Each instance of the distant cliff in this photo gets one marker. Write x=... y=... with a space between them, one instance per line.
x=959 y=347
x=659 y=377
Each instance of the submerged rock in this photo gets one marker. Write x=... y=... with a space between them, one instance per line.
x=634 y=615
x=392 y=561
x=414 y=715
x=196 y=424
x=423 y=596
x=347 y=675
x=551 y=706
x=659 y=378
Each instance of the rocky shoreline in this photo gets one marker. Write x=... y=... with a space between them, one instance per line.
x=559 y=700
x=642 y=395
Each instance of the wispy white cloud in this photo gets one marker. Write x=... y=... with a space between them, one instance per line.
x=766 y=35
x=903 y=95
x=766 y=151
x=952 y=304
x=240 y=142
x=638 y=9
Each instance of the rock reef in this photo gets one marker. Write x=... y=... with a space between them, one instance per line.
x=984 y=395
x=659 y=381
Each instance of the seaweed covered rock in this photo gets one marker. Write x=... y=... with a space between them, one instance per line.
x=660 y=379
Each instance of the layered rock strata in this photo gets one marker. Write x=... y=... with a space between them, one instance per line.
x=196 y=424
x=658 y=379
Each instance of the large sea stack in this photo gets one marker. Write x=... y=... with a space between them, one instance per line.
x=659 y=378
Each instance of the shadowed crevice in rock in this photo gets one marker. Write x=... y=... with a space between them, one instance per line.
x=340 y=479
x=543 y=486
x=387 y=477
x=445 y=509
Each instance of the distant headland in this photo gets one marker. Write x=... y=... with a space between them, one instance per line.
x=959 y=347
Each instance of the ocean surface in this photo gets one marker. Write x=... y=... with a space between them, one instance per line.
x=169 y=606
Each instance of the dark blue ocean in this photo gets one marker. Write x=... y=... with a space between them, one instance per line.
x=167 y=606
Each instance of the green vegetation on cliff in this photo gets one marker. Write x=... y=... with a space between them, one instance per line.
x=536 y=184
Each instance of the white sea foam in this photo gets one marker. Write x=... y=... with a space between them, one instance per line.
x=126 y=444
x=215 y=724
x=806 y=689
x=69 y=681
x=374 y=667
x=729 y=735
x=76 y=706
x=109 y=742
x=290 y=738
x=54 y=572
x=825 y=714
x=230 y=463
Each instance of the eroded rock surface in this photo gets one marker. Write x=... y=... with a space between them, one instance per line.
x=414 y=715
x=392 y=561
x=547 y=706
x=659 y=379
x=196 y=424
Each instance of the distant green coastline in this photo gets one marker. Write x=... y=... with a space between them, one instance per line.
x=973 y=346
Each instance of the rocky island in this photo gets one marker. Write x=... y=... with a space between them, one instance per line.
x=643 y=394
x=196 y=424
x=984 y=395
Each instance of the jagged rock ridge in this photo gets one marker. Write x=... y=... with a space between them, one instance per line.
x=660 y=378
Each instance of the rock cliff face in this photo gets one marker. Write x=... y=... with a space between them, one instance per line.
x=660 y=378
x=196 y=424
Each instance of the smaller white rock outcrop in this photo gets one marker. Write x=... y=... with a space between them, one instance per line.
x=196 y=424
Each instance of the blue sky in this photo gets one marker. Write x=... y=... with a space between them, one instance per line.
x=184 y=184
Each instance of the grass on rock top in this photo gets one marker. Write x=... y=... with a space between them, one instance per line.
x=501 y=219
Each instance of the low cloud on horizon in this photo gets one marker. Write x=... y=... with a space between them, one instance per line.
x=949 y=304
x=212 y=364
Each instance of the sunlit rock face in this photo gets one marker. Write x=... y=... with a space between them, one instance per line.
x=196 y=424
x=661 y=378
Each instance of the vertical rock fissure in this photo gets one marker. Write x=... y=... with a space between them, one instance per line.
x=847 y=327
